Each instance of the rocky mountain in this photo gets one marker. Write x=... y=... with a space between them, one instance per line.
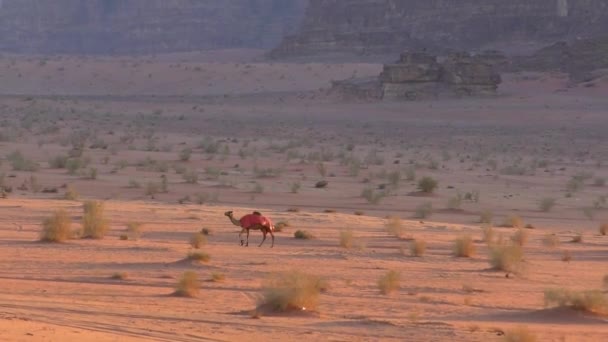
x=365 y=27
x=144 y=26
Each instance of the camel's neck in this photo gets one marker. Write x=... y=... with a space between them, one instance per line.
x=234 y=221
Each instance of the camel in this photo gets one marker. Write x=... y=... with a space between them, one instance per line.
x=253 y=221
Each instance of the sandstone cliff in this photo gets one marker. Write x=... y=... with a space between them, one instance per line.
x=360 y=27
x=144 y=26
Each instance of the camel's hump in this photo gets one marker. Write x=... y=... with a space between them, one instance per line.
x=253 y=219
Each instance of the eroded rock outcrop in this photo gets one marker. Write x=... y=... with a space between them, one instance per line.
x=420 y=75
x=367 y=27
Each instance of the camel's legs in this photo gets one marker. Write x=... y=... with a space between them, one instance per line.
x=247 y=243
x=240 y=236
x=264 y=239
x=272 y=235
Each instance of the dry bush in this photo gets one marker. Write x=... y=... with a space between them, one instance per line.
x=217 y=277
x=604 y=228
x=427 y=185
x=292 y=291
x=349 y=240
x=120 y=276
x=550 y=240
x=506 y=257
x=464 y=247
x=520 y=334
x=513 y=221
x=593 y=301
x=423 y=211
x=566 y=256
x=188 y=285
x=281 y=225
x=389 y=282
x=394 y=226
x=486 y=217
x=206 y=231
x=198 y=240
x=199 y=256
x=302 y=234
x=488 y=234
x=70 y=194
x=417 y=248
x=578 y=238
x=94 y=224
x=520 y=237
x=134 y=230
x=57 y=228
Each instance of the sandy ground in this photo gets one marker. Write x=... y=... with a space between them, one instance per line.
x=262 y=135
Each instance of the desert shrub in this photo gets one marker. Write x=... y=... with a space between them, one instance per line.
x=292 y=291
x=604 y=228
x=70 y=194
x=198 y=240
x=258 y=188
x=295 y=187
x=417 y=248
x=133 y=184
x=152 y=189
x=347 y=238
x=91 y=174
x=427 y=185
x=58 y=162
x=321 y=184
x=520 y=334
x=546 y=204
x=464 y=246
x=410 y=174
x=94 y=224
x=302 y=234
x=589 y=301
x=513 y=221
x=575 y=184
x=394 y=226
x=134 y=230
x=455 y=202
x=190 y=176
x=20 y=163
x=281 y=225
x=520 y=237
x=389 y=282
x=185 y=154
x=550 y=240
x=566 y=256
x=423 y=211
x=488 y=234
x=578 y=238
x=120 y=276
x=217 y=277
x=199 y=256
x=486 y=216
x=371 y=196
x=206 y=231
x=188 y=285
x=57 y=228
x=506 y=257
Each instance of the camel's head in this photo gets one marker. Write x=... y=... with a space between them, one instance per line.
x=228 y=213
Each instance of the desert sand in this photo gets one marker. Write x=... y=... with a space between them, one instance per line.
x=261 y=136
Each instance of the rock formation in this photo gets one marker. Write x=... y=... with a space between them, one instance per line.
x=372 y=27
x=144 y=26
x=420 y=75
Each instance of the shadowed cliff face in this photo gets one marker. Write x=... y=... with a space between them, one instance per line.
x=144 y=26
x=388 y=26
